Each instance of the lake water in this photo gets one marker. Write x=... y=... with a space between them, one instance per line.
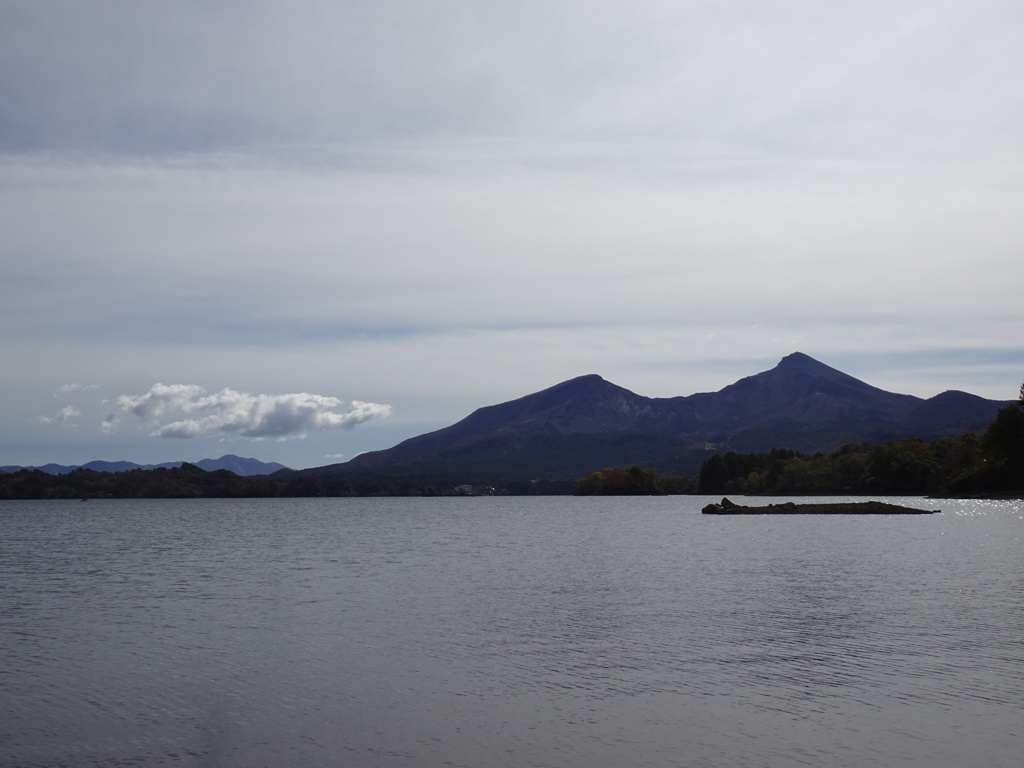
x=555 y=632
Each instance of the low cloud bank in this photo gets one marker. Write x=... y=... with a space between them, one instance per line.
x=67 y=389
x=63 y=417
x=186 y=411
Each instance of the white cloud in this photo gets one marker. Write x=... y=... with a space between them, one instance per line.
x=63 y=417
x=67 y=389
x=186 y=411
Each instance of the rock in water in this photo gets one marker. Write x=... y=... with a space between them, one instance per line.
x=727 y=507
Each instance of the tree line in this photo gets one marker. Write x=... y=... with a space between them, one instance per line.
x=633 y=481
x=191 y=482
x=991 y=465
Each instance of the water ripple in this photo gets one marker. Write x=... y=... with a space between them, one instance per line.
x=506 y=632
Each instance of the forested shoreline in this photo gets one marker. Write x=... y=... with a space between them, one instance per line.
x=988 y=466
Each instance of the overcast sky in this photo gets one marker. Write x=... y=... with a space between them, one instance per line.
x=297 y=231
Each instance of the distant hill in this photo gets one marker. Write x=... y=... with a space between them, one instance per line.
x=587 y=423
x=240 y=466
x=237 y=464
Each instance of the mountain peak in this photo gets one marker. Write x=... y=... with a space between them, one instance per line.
x=582 y=382
x=590 y=378
x=799 y=362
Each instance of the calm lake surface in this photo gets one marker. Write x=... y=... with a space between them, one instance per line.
x=556 y=632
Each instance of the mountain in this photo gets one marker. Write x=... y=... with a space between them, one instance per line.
x=586 y=423
x=240 y=466
x=236 y=464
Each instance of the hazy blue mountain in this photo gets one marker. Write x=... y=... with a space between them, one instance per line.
x=50 y=469
x=121 y=466
x=236 y=464
x=240 y=466
x=587 y=423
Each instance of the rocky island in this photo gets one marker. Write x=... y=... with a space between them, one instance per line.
x=727 y=507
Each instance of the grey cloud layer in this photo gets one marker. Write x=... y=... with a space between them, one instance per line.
x=442 y=205
x=276 y=256
x=121 y=75
x=186 y=411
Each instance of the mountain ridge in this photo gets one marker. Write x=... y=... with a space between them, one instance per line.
x=585 y=423
x=244 y=467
